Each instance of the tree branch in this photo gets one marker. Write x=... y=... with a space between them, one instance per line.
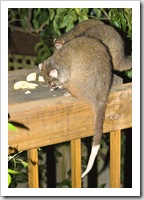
x=106 y=14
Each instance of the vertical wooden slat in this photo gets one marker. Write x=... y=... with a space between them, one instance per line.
x=76 y=163
x=33 y=177
x=115 y=157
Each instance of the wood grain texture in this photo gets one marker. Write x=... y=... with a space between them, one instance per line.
x=115 y=159
x=76 y=163
x=33 y=175
x=55 y=120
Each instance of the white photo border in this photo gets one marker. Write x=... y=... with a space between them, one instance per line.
x=135 y=190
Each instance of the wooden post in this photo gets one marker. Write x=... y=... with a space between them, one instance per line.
x=76 y=163
x=115 y=157
x=33 y=175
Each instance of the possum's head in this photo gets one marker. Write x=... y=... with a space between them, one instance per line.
x=50 y=74
x=58 y=43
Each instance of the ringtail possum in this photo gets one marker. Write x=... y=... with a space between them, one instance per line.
x=78 y=30
x=106 y=34
x=83 y=66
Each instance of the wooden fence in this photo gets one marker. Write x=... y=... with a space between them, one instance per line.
x=47 y=121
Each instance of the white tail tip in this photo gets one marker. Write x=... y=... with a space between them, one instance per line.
x=92 y=157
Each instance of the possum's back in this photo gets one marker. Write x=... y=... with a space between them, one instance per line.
x=77 y=30
x=88 y=63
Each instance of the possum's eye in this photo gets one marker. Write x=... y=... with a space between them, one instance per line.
x=53 y=73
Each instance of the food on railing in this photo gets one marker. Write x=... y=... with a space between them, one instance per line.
x=40 y=79
x=32 y=77
x=28 y=92
x=24 y=85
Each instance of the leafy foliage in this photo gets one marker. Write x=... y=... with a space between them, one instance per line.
x=15 y=165
x=11 y=127
x=17 y=171
x=49 y=23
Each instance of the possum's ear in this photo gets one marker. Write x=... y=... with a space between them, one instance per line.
x=40 y=66
x=58 y=45
x=53 y=73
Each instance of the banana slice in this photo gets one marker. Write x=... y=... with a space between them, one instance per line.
x=24 y=85
x=28 y=92
x=40 y=79
x=31 y=77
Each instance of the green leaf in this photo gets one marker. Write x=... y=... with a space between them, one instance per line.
x=38 y=46
x=11 y=15
x=40 y=16
x=68 y=20
x=84 y=11
x=82 y=18
x=35 y=20
x=12 y=127
x=9 y=179
x=129 y=73
x=43 y=53
x=23 y=13
x=51 y=13
x=77 y=10
x=98 y=12
x=25 y=164
x=124 y=23
x=102 y=185
x=61 y=10
x=70 y=26
x=11 y=171
x=65 y=21
x=83 y=15
x=43 y=50
x=56 y=24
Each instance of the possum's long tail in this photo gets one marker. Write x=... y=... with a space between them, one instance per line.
x=99 y=113
x=92 y=157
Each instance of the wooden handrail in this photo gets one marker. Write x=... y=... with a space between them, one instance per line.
x=61 y=119
x=45 y=121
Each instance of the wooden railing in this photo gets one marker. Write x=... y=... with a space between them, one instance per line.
x=59 y=119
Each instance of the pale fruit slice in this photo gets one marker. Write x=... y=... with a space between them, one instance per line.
x=24 y=85
x=31 y=77
x=40 y=79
